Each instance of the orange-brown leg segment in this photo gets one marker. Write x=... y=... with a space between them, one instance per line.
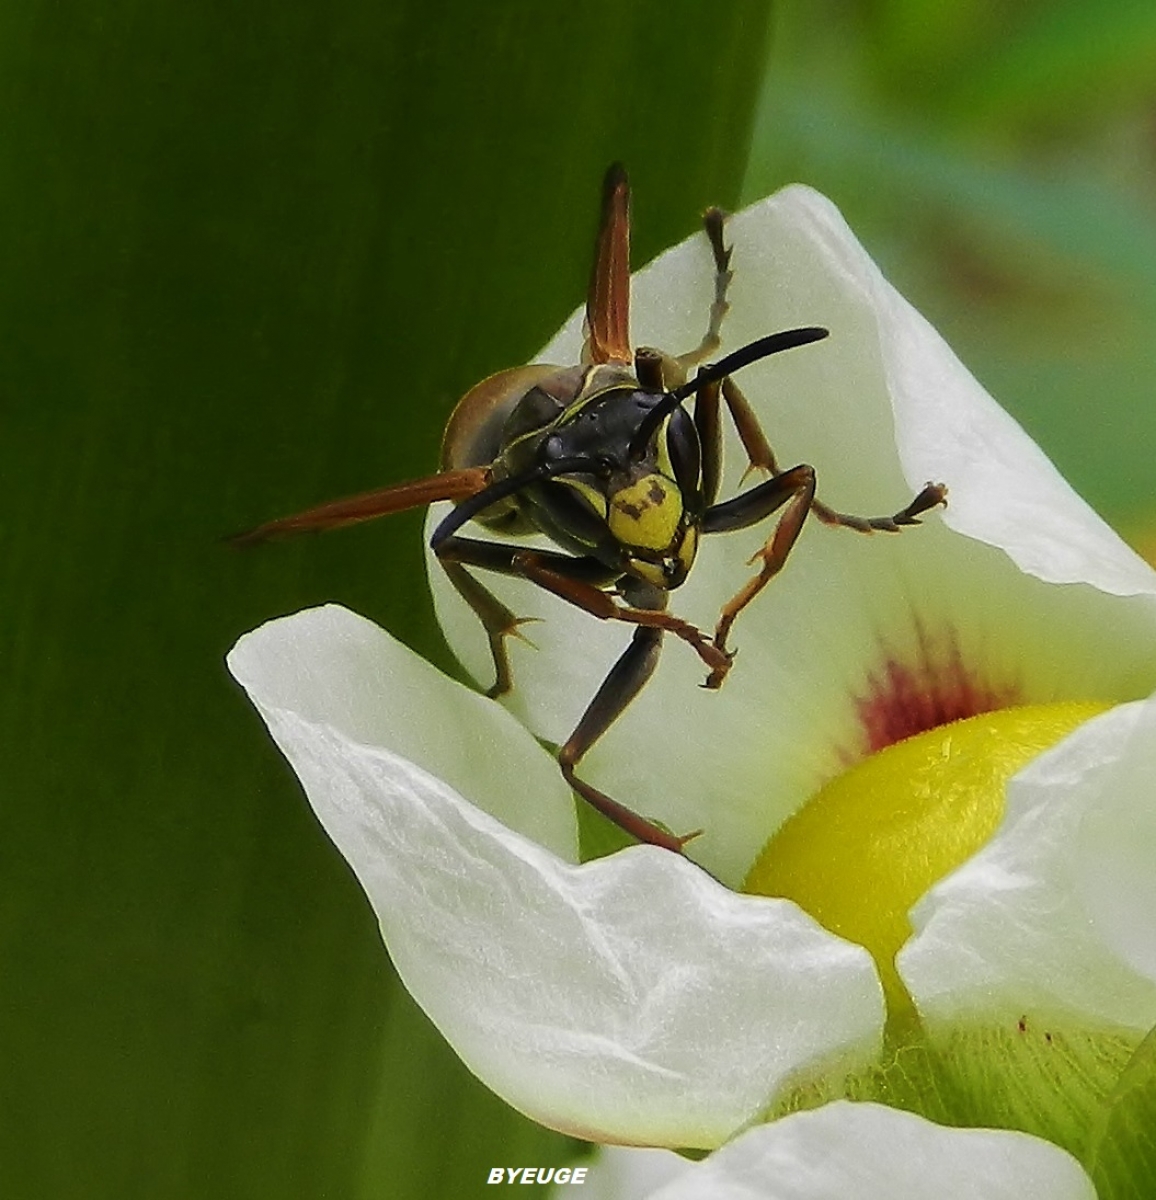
x=932 y=494
x=627 y=678
x=497 y=620
x=457 y=553
x=762 y=457
x=795 y=489
x=600 y=604
x=577 y=580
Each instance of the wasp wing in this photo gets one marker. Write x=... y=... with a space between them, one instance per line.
x=447 y=485
x=608 y=301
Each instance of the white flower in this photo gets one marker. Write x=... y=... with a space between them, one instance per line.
x=635 y=999
x=864 y=1151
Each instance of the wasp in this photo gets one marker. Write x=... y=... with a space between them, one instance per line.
x=606 y=459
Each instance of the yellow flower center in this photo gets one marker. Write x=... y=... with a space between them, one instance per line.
x=871 y=842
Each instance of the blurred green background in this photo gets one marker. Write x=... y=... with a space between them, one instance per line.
x=998 y=159
x=251 y=256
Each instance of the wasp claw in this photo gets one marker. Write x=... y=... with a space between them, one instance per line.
x=715 y=679
x=752 y=468
x=515 y=630
x=497 y=638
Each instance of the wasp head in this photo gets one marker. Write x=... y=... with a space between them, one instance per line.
x=638 y=513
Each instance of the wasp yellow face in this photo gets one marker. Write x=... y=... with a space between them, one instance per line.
x=646 y=513
x=647 y=517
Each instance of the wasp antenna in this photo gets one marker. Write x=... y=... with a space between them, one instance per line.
x=773 y=343
x=466 y=509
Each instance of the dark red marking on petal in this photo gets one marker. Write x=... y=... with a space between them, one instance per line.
x=933 y=686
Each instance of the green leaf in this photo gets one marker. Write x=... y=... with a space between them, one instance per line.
x=251 y=257
x=1121 y=1155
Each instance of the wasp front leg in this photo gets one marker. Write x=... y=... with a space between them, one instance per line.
x=457 y=553
x=795 y=489
x=498 y=621
x=644 y=605
x=707 y=409
x=761 y=457
x=627 y=678
x=577 y=580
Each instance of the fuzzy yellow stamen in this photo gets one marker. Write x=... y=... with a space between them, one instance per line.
x=871 y=842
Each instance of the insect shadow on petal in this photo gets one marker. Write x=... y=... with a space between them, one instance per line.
x=617 y=460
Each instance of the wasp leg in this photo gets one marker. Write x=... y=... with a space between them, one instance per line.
x=760 y=456
x=578 y=581
x=932 y=494
x=794 y=488
x=712 y=222
x=706 y=422
x=627 y=678
x=499 y=622
x=647 y=608
x=759 y=453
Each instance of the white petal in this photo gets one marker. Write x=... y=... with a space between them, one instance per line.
x=632 y=999
x=1004 y=491
x=333 y=668
x=1058 y=912
x=879 y=408
x=850 y=1151
x=1115 y=849
x=626 y=1173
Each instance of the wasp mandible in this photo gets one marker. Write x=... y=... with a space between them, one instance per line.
x=605 y=459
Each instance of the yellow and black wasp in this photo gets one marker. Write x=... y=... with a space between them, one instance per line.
x=605 y=459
